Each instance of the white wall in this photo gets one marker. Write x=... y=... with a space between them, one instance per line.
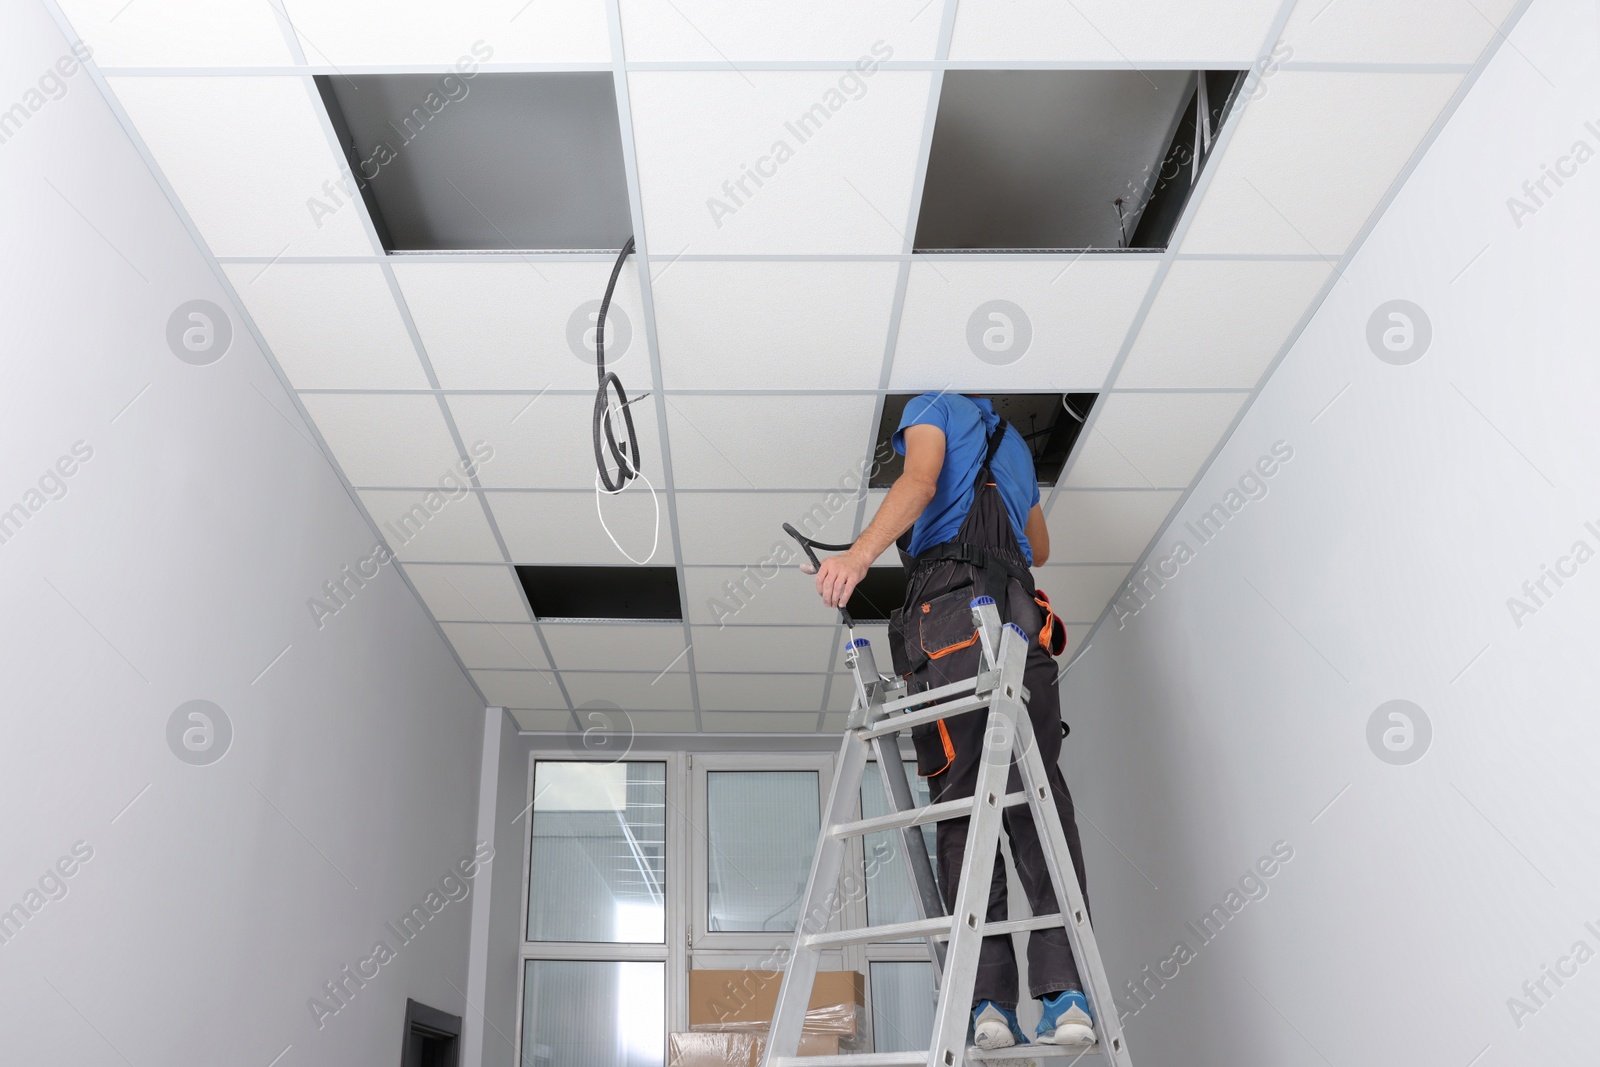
x=177 y=566
x=512 y=824
x=1230 y=712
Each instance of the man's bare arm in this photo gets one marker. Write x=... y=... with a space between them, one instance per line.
x=910 y=494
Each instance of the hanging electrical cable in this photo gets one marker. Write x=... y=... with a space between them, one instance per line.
x=626 y=454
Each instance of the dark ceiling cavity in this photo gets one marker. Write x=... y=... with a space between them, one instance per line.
x=1048 y=422
x=491 y=162
x=610 y=593
x=880 y=592
x=1036 y=160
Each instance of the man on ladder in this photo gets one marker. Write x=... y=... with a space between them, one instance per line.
x=967 y=489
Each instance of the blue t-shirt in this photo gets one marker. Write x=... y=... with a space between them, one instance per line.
x=966 y=424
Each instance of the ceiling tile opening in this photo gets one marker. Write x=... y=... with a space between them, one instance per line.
x=1052 y=160
x=1048 y=422
x=880 y=592
x=632 y=594
x=489 y=162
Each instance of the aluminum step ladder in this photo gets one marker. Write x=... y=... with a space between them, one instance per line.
x=881 y=711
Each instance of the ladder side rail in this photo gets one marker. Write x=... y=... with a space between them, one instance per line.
x=897 y=789
x=949 y=1045
x=1074 y=912
x=818 y=905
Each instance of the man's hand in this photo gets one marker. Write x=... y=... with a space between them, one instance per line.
x=839 y=575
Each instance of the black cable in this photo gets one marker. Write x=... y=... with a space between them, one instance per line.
x=806 y=545
x=627 y=468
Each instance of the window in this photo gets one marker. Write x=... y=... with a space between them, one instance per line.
x=639 y=869
x=602 y=862
x=899 y=977
x=902 y=1005
x=761 y=829
x=598 y=858
x=593 y=1013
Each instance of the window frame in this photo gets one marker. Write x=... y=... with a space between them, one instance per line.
x=740 y=942
x=671 y=951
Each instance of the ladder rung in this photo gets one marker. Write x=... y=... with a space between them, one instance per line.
x=1001 y=929
x=1017 y=926
x=859 y=1059
x=919 y=1059
x=948 y=809
x=939 y=924
x=1029 y=1052
x=966 y=685
x=895 y=723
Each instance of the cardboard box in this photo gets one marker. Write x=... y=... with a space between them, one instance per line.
x=707 y=1048
x=745 y=1000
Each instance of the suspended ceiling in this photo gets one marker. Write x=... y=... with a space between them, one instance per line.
x=767 y=336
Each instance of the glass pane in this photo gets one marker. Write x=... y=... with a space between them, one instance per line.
x=889 y=898
x=761 y=829
x=902 y=1006
x=594 y=1014
x=598 y=857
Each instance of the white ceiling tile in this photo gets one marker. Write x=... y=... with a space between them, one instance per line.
x=842 y=696
x=762 y=648
x=1311 y=159
x=846 y=172
x=616 y=646
x=519 y=322
x=179 y=33
x=1221 y=32
x=411 y=32
x=1392 y=31
x=1075 y=315
x=726 y=30
x=505 y=645
x=768 y=442
x=772 y=325
x=833 y=724
x=547 y=441
x=643 y=690
x=470 y=594
x=330 y=325
x=1106 y=526
x=746 y=529
x=1079 y=594
x=246 y=156
x=663 y=722
x=553 y=721
x=1151 y=440
x=1218 y=323
x=386 y=439
x=522 y=689
x=431 y=527
x=737 y=597
x=761 y=692
x=559 y=528
x=759 y=722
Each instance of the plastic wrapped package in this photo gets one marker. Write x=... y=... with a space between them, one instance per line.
x=731 y=1048
x=744 y=1001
